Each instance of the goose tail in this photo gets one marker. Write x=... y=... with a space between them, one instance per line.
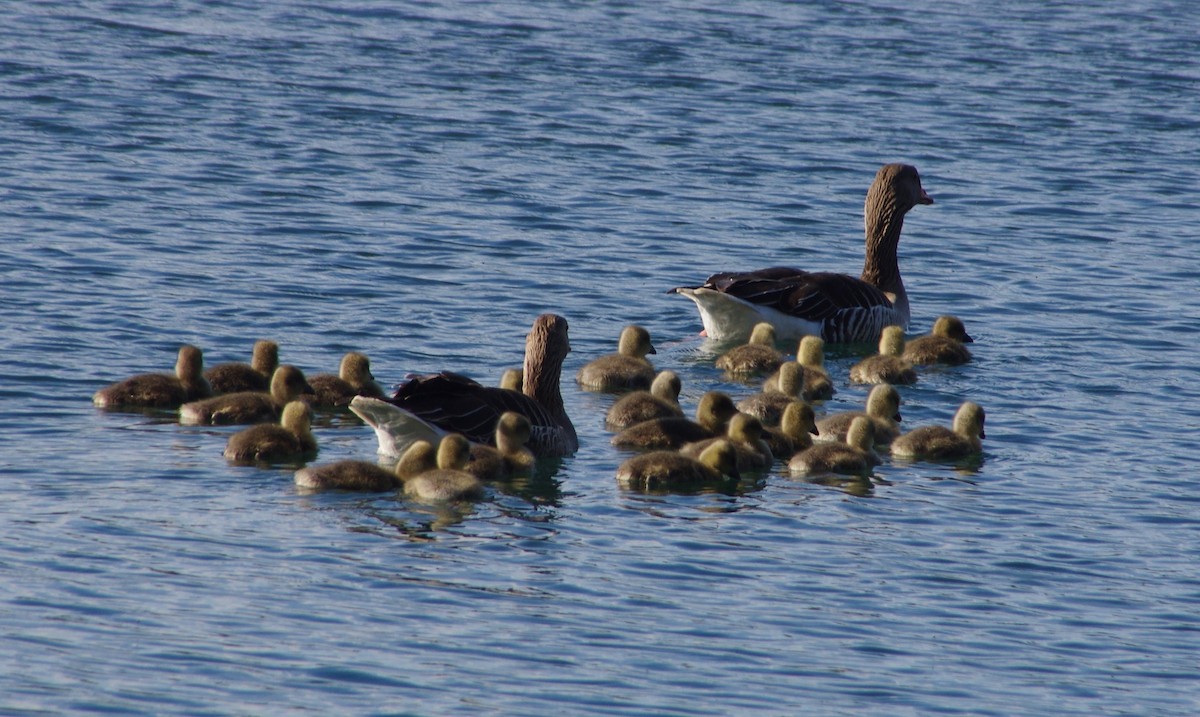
x=396 y=428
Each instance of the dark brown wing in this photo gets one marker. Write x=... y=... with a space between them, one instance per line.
x=458 y=404
x=814 y=296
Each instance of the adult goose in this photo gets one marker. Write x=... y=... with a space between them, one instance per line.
x=428 y=407
x=837 y=307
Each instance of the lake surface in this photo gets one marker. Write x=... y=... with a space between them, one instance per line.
x=418 y=181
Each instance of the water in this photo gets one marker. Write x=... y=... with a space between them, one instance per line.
x=418 y=181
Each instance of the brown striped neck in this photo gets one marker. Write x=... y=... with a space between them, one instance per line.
x=883 y=219
x=545 y=349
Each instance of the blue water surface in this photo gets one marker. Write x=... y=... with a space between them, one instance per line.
x=419 y=180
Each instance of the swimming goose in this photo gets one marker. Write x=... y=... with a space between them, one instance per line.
x=254 y=376
x=511 y=379
x=811 y=355
x=795 y=431
x=712 y=415
x=628 y=369
x=428 y=407
x=248 y=406
x=939 y=442
x=745 y=433
x=669 y=470
x=159 y=390
x=509 y=457
x=448 y=481
x=356 y=475
x=883 y=408
x=943 y=345
x=757 y=356
x=290 y=439
x=768 y=405
x=854 y=457
x=661 y=401
x=888 y=366
x=354 y=379
x=837 y=307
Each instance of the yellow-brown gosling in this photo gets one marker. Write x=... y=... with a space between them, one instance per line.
x=941 y=443
x=795 y=432
x=661 y=401
x=670 y=470
x=354 y=378
x=883 y=408
x=854 y=457
x=757 y=356
x=248 y=406
x=745 y=433
x=509 y=457
x=362 y=476
x=254 y=376
x=289 y=440
x=943 y=345
x=712 y=416
x=448 y=481
x=626 y=370
x=768 y=405
x=159 y=390
x=889 y=365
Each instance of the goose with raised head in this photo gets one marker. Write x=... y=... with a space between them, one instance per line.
x=287 y=385
x=943 y=345
x=428 y=407
x=712 y=416
x=354 y=378
x=745 y=432
x=235 y=376
x=159 y=390
x=669 y=470
x=289 y=440
x=887 y=366
x=756 y=356
x=854 y=457
x=626 y=370
x=509 y=457
x=837 y=307
x=941 y=443
x=883 y=408
x=661 y=401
